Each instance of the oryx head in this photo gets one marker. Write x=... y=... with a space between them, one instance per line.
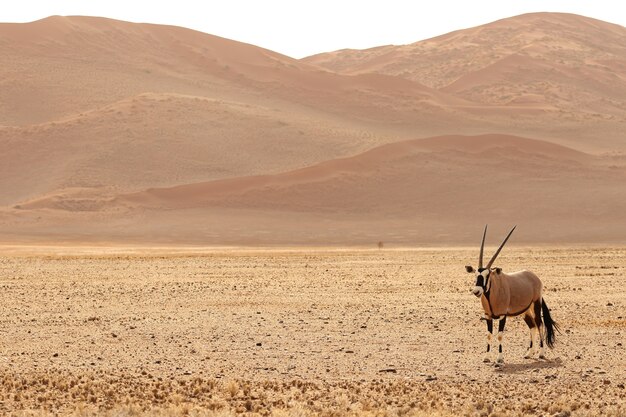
x=483 y=273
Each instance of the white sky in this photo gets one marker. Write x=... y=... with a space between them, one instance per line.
x=302 y=28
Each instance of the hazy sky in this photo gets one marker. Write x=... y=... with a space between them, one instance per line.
x=301 y=28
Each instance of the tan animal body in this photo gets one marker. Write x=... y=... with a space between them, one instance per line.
x=503 y=295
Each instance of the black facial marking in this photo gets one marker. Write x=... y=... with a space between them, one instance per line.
x=480 y=280
x=531 y=345
x=500 y=348
x=488 y=348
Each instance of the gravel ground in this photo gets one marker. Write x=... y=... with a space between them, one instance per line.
x=300 y=332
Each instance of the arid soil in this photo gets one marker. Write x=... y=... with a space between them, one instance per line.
x=300 y=332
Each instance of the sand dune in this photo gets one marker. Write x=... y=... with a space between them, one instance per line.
x=391 y=171
x=109 y=106
x=426 y=190
x=161 y=140
x=554 y=62
x=120 y=131
x=81 y=63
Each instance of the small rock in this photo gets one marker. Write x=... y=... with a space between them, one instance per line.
x=55 y=355
x=620 y=386
x=431 y=378
x=390 y=370
x=259 y=344
x=578 y=357
x=607 y=382
x=113 y=335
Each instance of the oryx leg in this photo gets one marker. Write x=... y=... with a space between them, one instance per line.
x=499 y=337
x=489 y=336
x=532 y=327
x=539 y=324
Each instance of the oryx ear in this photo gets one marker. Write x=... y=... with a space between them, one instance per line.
x=498 y=270
x=469 y=269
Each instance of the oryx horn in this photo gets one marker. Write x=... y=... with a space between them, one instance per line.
x=482 y=247
x=495 y=255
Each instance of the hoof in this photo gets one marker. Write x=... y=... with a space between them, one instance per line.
x=486 y=360
x=542 y=356
x=500 y=360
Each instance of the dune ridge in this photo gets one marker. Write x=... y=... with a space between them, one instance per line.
x=116 y=131
x=408 y=192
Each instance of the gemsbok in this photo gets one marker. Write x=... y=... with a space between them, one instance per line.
x=503 y=295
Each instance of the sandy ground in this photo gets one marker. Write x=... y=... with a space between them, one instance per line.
x=300 y=332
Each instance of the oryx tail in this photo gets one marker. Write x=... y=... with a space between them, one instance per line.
x=551 y=326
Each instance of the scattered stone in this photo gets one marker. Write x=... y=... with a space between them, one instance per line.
x=259 y=344
x=55 y=355
x=609 y=304
x=390 y=370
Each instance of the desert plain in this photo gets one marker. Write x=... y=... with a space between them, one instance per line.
x=303 y=331
x=189 y=224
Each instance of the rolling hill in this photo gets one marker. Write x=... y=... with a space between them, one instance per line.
x=409 y=192
x=123 y=132
x=553 y=62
